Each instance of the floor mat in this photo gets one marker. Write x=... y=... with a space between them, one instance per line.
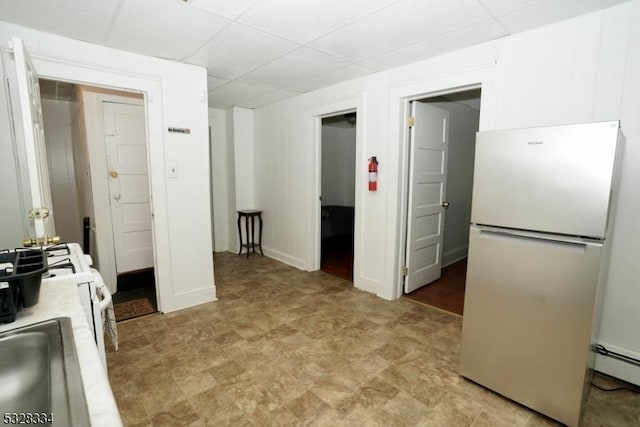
x=134 y=308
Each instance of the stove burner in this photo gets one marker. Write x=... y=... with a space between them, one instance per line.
x=63 y=263
x=62 y=248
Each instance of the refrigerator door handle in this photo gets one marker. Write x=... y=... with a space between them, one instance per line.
x=559 y=242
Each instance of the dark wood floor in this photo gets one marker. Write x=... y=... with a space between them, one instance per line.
x=136 y=284
x=337 y=257
x=446 y=293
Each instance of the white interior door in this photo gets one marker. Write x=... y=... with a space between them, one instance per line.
x=30 y=133
x=125 y=141
x=427 y=185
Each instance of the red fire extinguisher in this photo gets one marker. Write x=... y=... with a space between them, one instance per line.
x=373 y=174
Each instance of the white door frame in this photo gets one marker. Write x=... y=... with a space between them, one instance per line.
x=151 y=88
x=484 y=78
x=313 y=118
x=407 y=170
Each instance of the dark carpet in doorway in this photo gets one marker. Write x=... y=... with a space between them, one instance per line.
x=134 y=308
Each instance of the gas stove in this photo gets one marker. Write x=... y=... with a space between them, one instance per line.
x=67 y=262
x=65 y=259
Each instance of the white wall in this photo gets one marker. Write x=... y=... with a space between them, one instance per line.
x=57 y=132
x=244 y=158
x=338 y=165
x=219 y=179
x=82 y=171
x=176 y=96
x=580 y=70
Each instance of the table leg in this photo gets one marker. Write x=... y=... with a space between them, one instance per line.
x=260 y=234
x=253 y=234
x=240 y=233
x=246 y=229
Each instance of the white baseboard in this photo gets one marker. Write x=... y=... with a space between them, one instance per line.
x=190 y=299
x=285 y=258
x=617 y=368
x=454 y=255
x=368 y=285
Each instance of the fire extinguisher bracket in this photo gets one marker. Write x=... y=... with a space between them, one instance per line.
x=373 y=173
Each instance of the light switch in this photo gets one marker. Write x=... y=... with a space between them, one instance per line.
x=172 y=172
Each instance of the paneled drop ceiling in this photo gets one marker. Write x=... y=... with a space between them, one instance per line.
x=261 y=51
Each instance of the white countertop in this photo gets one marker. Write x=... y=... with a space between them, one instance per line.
x=61 y=299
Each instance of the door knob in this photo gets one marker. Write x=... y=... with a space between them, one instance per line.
x=41 y=241
x=114 y=174
x=445 y=204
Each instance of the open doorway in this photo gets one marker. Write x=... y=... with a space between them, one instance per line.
x=338 y=159
x=441 y=154
x=97 y=152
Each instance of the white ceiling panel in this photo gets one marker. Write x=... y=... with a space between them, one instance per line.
x=497 y=7
x=234 y=93
x=239 y=49
x=268 y=98
x=292 y=70
x=303 y=21
x=546 y=12
x=401 y=24
x=252 y=48
x=228 y=8
x=349 y=72
x=82 y=20
x=163 y=28
x=215 y=82
x=447 y=42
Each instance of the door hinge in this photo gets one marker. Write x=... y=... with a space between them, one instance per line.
x=411 y=121
x=405 y=271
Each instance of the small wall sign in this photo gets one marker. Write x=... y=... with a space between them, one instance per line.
x=185 y=131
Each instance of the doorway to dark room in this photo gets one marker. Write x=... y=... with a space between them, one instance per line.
x=338 y=158
x=440 y=182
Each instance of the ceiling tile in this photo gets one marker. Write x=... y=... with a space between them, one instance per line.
x=401 y=24
x=234 y=93
x=268 y=98
x=468 y=36
x=497 y=7
x=163 y=28
x=546 y=12
x=82 y=20
x=215 y=82
x=303 y=21
x=239 y=49
x=292 y=70
x=229 y=8
x=349 y=72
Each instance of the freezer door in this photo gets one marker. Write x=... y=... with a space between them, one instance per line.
x=527 y=321
x=550 y=179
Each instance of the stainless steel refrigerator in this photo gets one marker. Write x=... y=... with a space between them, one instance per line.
x=540 y=225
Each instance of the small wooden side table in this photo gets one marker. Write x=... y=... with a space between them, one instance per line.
x=249 y=215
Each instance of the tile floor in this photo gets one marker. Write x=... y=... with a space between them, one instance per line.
x=286 y=347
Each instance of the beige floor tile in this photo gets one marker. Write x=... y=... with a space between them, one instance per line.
x=284 y=347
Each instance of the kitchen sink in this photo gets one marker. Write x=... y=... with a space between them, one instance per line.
x=40 y=380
